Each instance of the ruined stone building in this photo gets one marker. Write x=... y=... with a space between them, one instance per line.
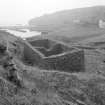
x=53 y=55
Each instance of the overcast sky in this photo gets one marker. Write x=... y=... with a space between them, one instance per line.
x=20 y=11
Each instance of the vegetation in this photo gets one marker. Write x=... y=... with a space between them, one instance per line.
x=22 y=84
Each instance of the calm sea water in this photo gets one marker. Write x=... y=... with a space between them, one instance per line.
x=25 y=34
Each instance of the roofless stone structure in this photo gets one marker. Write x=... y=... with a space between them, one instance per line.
x=53 y=55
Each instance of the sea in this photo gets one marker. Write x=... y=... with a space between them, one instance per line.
x=23 y=33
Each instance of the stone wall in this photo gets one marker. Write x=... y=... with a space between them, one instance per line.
x=65 y=59
x=46 y=43
x=31 y=55
x=49 y=47
x=54 y=50
x=68 y=62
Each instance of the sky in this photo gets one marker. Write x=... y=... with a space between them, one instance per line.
x=21 y=11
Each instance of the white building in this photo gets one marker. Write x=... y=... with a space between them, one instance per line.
x=101 y=24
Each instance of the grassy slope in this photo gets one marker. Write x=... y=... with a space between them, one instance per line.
x=62 y=25
x=50 y=88
x=85 y=87
x=43 y=87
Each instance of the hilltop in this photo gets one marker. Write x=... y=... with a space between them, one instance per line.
x=78 y=24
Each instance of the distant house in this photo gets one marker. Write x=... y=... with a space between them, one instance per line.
x=101 y=24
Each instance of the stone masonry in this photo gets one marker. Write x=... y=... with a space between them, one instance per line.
x=52 y=55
